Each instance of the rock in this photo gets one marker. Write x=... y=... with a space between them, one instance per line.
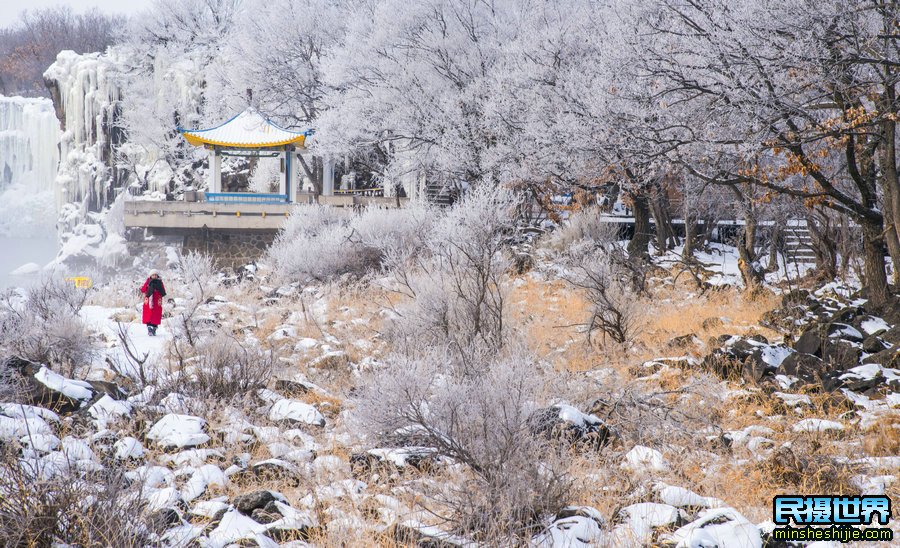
x=182 y=431
x=128 y=448
x=890 y=311
x=644 y=517
x=809 y=342
x=296 y=412
x=163 y=519
x=44 y=388
x=291 y=389
x=794 y=297
x=843 y=331
x=754 y=370
x=256 y=500
x=644 y=460
x=274 y=469
x=566 y=423
x=807 y=367
x=420 y=458
x=717 y=527
x=872 y=345
x=337 y=359
x=581 y=511
x=889 y=357
x=712 y=323
x=684 y=341
x=264 y=516
x=110 y=389
x=411 y=533
x=848 y=314
x=892 y=335
x=840 y=354
x=751 y=358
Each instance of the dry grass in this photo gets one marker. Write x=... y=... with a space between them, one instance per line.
x=882 y=439
x=548 y=314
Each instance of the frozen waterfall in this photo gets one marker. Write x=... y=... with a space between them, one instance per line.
x=29 y=156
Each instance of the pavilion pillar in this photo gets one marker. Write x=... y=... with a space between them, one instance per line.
x=215 y=170
x=327 y=176
x=287 y=183
x=282 y=182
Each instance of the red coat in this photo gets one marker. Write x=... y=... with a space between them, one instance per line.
x=153 y=304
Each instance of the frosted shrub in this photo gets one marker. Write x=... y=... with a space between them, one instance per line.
x=396 y=234
x=45 y=504
x=580 y=232
x=476 y=415
x=43 y=326
x=199 y=278
x=223 y=367
x=456 y=285
x=616 y=306
x=321 y=243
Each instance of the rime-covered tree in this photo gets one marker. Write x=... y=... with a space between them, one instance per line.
x=793 y=97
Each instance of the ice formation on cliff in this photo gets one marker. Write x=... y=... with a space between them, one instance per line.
x=29 y=155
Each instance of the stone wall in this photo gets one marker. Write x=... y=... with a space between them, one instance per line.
x=229 y=248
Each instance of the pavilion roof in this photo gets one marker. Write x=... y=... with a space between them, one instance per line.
x=249 y=129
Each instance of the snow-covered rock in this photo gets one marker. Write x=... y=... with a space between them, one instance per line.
x=44 y=443
x=233 y=527
x=683 y=498
x=159 y=499
x=643 y=517
x=296 y=411
x=178 y=431
x=16 y=427
x=576 y=527
x=208 y=475
x=715 y=529
x=817 y=425
x=643 y=459
x=106 y=410
x=76 y=390
x=128 y=448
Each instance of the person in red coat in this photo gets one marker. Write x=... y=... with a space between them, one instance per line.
x=153 y=291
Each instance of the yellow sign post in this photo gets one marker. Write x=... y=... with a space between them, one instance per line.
x=82 y=282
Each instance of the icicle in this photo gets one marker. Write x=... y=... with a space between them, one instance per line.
x=29 y=156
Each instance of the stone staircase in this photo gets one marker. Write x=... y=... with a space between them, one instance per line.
x=798 y=243
x=440 y=193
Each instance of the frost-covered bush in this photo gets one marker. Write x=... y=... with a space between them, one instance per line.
x=199 y=279
x=223 y=367
x=607 y=281
x=320 y=243
x=47 y=503
x=43 y=326
x=582 y=231
x=476 y=414
x=455 y=285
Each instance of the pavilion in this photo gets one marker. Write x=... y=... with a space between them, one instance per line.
x=249 y=134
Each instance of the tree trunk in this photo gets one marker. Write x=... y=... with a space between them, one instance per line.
x=690 y=237
x=824 y=241
x=774 y=240
x=753 y=278
x=891 y=232
x=665 y=234
x=637 y=247
x=873 y=263
x=889 y=178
